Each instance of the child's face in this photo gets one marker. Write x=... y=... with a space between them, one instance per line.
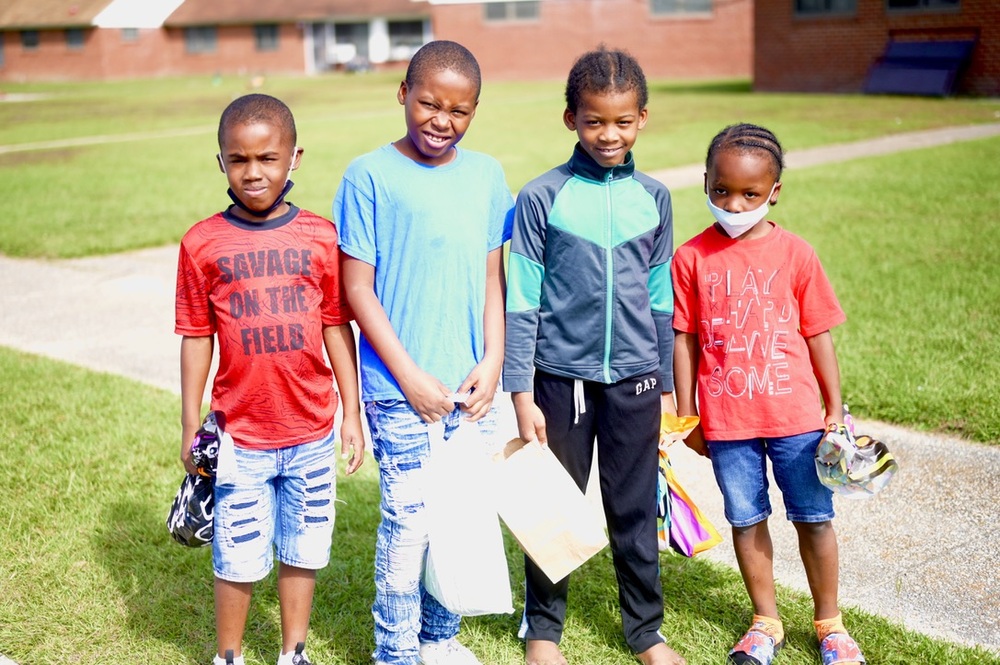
x=607 y=124
x=438 y=112
x=257 y=158
x=740 y=181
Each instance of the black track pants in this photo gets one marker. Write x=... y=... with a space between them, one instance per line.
x=625 y=419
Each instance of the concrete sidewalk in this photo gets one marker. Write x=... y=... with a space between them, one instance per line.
x=924 y=553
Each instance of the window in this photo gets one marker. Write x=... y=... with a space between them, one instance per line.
x=825 y=7
x=199 y=39
x=922 y=5
x=266 y=37
x=130 y=34
x=29 y=40
x=662 y=7
x=405 y=38
x=74 y=38
x=527 y=10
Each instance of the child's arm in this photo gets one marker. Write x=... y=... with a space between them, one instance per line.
x=340 y=347
x=827 y=370
x=685 y=385
x=196 y=362
x=427 y=395
x=485 y=376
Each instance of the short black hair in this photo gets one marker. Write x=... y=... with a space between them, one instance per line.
x=442 y=55
x=746 y=137
x=605 y=70
x=257 y=107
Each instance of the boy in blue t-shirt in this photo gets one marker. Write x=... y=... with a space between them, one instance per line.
x=422 y=225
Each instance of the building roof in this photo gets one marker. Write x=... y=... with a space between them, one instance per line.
x=41 y=14
x=221 y=12
x=136 y=13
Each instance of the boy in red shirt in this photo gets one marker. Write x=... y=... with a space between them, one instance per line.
x=263 y=277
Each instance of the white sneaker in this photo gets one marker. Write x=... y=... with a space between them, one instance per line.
x=447 y=652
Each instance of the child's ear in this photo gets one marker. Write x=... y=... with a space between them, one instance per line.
x=774 y=195
x=705 y=186
x=297 y=157
x=222 y=162
x=569 y=119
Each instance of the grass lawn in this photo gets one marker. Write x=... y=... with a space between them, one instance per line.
x=88 y=573
x=88 y=461
x=95 y=199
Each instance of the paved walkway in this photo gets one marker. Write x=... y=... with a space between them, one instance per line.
x=924 y=553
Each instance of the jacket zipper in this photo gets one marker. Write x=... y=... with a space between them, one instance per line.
x=609 y=276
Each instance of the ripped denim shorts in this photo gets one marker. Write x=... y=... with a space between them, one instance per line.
x=282 y=503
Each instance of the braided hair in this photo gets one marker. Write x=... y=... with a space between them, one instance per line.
x=602 y=71
x=745 y=137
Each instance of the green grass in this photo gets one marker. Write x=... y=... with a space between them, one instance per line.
x=88 y=573
x=77 y=201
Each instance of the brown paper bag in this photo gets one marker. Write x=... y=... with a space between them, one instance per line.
x=545 y=511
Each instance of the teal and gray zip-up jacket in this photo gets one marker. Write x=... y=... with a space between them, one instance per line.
x=589 y=294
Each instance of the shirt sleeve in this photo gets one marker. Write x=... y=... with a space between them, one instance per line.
x=819 y=309
x=335 y=309
x=524 y=284
x=354 y=214
x=193 y=313
x=685 y=292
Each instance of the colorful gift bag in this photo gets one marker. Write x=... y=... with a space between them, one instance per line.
x=855 y=467
x=680 y=524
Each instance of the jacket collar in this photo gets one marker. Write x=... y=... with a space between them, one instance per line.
x=583 y=165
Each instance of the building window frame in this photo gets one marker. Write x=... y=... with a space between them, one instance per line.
x=200 y=39
x=825 y=8
x=921 y=6
x=512 y=11
x=266 y=36
x=30 y=40
x=75 y=38
x=677 y=8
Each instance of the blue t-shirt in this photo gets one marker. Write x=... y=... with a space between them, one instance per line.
x=427 y=231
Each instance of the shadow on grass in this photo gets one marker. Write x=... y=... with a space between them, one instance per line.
x=168 y=588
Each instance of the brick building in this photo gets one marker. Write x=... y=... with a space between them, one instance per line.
x=114 y=39
x=832 y=45
x=532 y=39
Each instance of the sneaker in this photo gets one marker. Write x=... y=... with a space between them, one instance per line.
x=447 y=652
x=300 y=655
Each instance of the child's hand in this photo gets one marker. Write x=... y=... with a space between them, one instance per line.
x=530 y=420
x=427 y=396
x=352 y=443
x=695 y=440
x=482 y=385
x=187 y=440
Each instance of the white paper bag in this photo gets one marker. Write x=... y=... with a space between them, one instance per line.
x=466 y=568
x=545 y=510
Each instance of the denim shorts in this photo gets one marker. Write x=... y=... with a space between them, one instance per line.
x=741 y=472
x=282 y=503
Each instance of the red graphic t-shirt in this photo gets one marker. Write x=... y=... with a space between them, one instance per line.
x=266 y=290
x=752 y=303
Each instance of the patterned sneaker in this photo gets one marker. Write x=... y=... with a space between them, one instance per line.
x=755 y=648
x=447 y=652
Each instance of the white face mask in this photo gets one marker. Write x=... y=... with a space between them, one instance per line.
x=736 y=224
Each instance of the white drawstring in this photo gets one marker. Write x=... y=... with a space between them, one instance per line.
x=579 y=403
